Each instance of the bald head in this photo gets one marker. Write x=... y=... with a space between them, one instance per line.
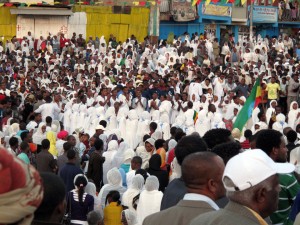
x=202 y=173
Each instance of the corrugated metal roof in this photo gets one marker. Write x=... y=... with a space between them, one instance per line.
x=41 y=11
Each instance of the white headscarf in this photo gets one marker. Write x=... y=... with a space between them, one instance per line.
x=109 y=155
x=292 y=116
x=150 y=199
x=114 y=179
x=135 y=189
x=90 y=189
x=130 y=217
x=38 y=136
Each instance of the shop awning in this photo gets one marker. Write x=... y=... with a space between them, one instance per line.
x=42 y=11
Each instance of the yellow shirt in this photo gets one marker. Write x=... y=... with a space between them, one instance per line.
x=112 y=214
x=273 y=90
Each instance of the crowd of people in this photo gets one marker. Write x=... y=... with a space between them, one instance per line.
x=97 y=131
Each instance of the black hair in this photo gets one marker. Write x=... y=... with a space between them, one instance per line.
x=179 y=134
x=260 y=114
x=80 y=183
x=103 y=123
x=48 y=119
x=188 y=145
x=67 y=146
x=13 y=141
x=268 y=139
x=54 y=194
x=153 y=126
x=159 y=143
x=248 y=134
x=71 y=154
x=24 y=135
x=146 y=136
x=45 y=144
x=227 y=150
x=24 y=145
x=142 y=172
x=216 y=136
x=291 y=136
x=98 y=144
x=137 y=159
x=115 y=197
x=22 y=126
x=173 y=131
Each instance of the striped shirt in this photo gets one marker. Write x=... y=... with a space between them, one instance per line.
x=289 y=189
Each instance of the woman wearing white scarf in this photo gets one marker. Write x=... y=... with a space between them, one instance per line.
x=114 y=179
x=121 y=119
x=14 y=129
x=280 y=123
x=293 y=116
x=119 y=156
x=90 y=189
x=40 y=134
x=111 y=118
x=132 y=125
x=165 y=126
x=128 y=217
x=271 y=110
x=109 y=155
x=135 y=189
x=150 y=199
x=143 y=124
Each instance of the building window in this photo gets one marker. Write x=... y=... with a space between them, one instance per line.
x=127 y=10
x=117 y=9
x=122 y=10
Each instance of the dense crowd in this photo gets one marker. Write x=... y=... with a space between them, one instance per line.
x=142 y=133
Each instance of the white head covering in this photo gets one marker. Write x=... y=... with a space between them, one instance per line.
x=38 y=136
x=152 y=183
x=172 y=144
x=130 y=217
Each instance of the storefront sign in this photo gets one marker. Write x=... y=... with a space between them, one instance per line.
x=262 y=14
x=216 y=10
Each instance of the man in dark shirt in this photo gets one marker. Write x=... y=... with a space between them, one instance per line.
x=44 y=159
x=95 y=169
x=70 y=170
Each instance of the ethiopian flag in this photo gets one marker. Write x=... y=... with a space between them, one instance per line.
x=195 y=116
x=252 y=101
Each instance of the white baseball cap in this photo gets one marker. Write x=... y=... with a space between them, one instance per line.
x=100 y=127
x=251 y=168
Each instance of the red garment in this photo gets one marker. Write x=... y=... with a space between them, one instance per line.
x=245 y=144
x=171 y=156
x=62 y=42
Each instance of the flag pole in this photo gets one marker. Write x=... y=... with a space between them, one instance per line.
x=251 y=20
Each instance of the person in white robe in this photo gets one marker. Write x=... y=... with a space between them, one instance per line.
x=203 y=123
x=165 y=126
x=195 y=90
x=90 y=189
x=109 y=156
x=190 y=127
x=133 y=191
x=150 y=199
x=119 y=156
x=131 y=128
x=143 y=124
x=280 y=123
x=40 y=134
x=293 y=116
x=114 y=183
x=217 y=122
x=271 y=110
x=165 y=108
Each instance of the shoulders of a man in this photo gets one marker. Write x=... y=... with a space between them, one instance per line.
x=182 y=213
x=238 y=215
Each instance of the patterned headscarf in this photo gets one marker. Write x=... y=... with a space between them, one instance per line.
x=21 y=190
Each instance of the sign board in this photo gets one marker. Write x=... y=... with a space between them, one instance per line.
x=263 y=14
x=216 y=10
x=51 y=2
